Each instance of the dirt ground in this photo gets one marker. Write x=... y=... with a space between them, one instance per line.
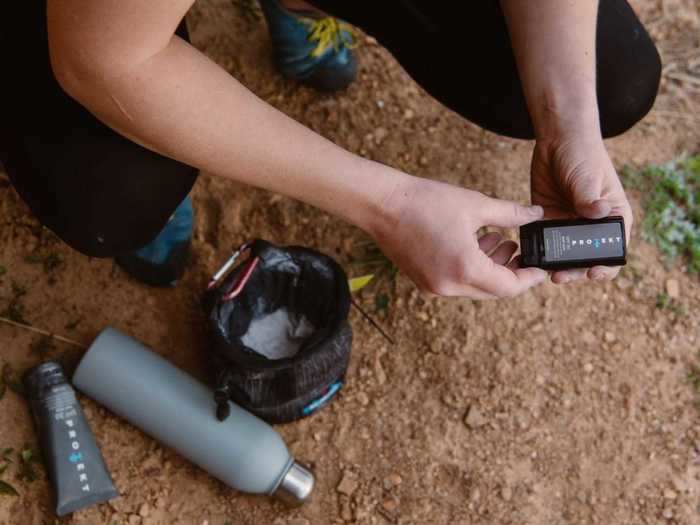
x=568 y=405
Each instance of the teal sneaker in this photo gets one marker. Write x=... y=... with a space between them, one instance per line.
x=162 y=262
x=311 y=50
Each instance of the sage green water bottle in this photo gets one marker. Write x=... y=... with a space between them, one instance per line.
x=174 y=408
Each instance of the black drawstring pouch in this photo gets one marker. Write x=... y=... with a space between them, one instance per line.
x=280 y=334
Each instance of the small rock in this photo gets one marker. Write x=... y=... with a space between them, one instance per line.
x=667 y=514
x=610 y=337
x=363 y=398
x=623 y=283
x=408 y=114
x=588 y=368
x=475 y=495
x=134 y=519
x=380 y=104
x=507 y=493
x=144 y=510
x=502 y=347
x=380 y=134
x=348 y=484
x=390 y=504
x=474 y=418
x=589 y=338
x=345 y=511
x=160 y=503
x=423 y=161
x=392 y=480
x=673 y=289
x=670 y=494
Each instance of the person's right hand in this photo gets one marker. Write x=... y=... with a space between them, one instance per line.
x=430 y=233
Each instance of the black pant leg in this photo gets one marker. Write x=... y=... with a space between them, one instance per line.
x=460 y=52
x=101 y=193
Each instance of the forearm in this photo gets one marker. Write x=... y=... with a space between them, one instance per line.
x=554 y=45
x=182 y=105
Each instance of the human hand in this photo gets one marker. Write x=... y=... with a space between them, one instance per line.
x=572 y=176
x=430 y=233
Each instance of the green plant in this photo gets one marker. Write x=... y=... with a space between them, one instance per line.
x=14 y=311
x=9 y=378
x=671 y=201
x=666 y=302
x=25 y=466
x=5 y=460
x=50 y=262
x=368 y=258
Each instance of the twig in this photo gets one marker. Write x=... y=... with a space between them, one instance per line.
x=43 y=332
x=670 y=66
x=373 y=322
x=682 y=77
x=674 y=114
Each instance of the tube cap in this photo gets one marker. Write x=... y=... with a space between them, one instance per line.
x=296 y=486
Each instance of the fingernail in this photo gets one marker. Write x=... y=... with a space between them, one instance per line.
x=536 y=210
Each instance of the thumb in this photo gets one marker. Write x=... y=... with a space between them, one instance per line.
x=508 y=214
x=588 y=204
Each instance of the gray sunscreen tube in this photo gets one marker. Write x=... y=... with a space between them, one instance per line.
x=74 y=462
x=243 y=451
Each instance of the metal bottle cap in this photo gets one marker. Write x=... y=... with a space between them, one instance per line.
x=296 y=486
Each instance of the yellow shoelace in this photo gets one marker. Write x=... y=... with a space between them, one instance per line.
x=330 y=32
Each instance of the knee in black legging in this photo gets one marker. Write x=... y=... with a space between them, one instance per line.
x=629 y=68
x=625 y=100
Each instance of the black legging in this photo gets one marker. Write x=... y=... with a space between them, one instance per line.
x=105 y=195
x=460 y=53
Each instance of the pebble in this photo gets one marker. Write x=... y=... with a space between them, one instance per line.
x=363 y=399
x=348 y=484
x=345 y=511
x=507 y=493
x=589 y=338
x=588 y=368
x=380 y=134
x=668 y=514
x=390 y=504
x=623 y=283
x=144 y=510
x=670 y=494
x=134 y=519
x=610 y=337
x=673 y=289
x=475 y=418
x=423 y=161
x=392 y=480
x=408 y=114
x=160 y=503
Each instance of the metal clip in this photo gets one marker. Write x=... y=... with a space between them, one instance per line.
x=242 y=280
x=221 y=272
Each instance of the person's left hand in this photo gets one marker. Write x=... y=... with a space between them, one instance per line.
x=574 y=177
